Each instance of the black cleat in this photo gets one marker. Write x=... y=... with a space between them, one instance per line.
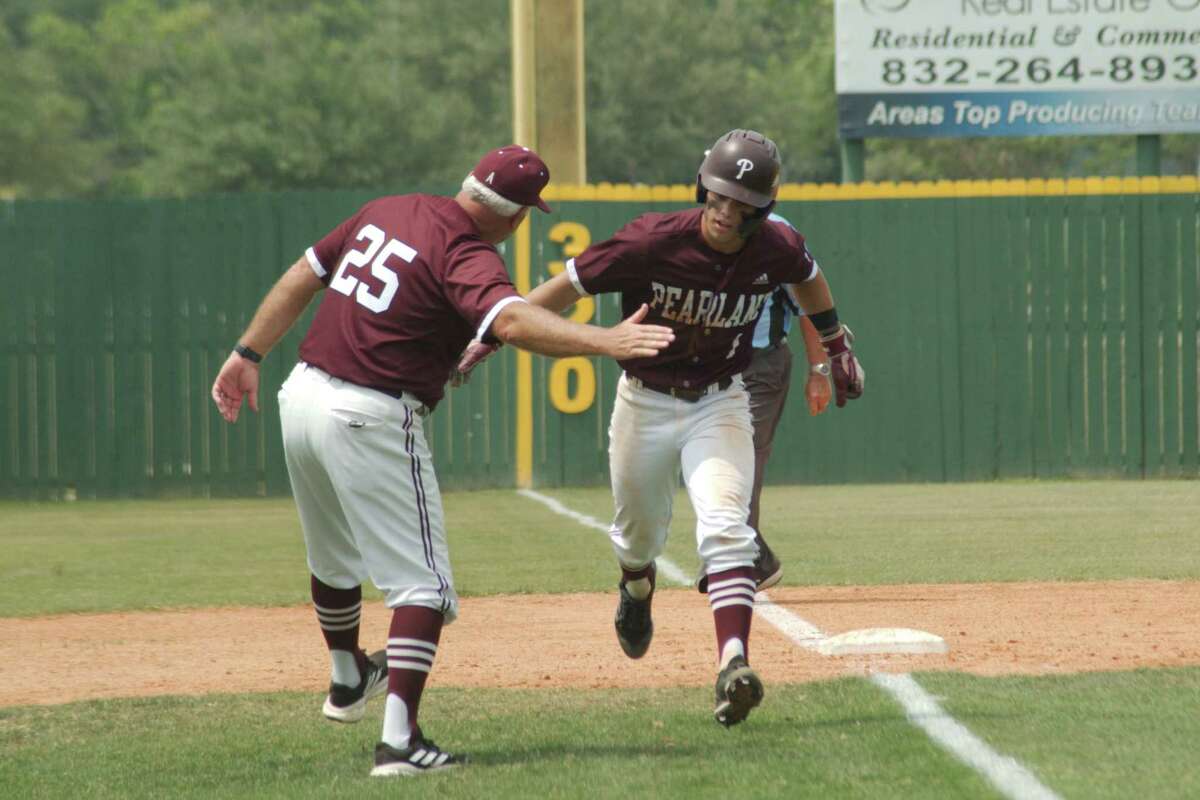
x=419 y=757
x=767 y=570
x=349 y=703
x=634 y=626
x=738 y=691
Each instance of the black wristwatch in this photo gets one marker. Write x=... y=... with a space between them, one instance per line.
x=248 y=354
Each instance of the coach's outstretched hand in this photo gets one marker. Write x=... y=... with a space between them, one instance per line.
x=848 y=375
x=631 y=339
x=237 y=378
x=472 y=357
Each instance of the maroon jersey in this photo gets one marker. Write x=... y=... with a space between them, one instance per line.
x=410 y=283
x=710 y=299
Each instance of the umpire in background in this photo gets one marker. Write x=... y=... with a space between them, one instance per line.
x=768 y=380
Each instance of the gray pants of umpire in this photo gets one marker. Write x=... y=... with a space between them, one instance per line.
x=767 y=380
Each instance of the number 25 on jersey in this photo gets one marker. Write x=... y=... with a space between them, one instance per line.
x=377 y=253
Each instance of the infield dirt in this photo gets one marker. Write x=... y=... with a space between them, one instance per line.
x=530 y=641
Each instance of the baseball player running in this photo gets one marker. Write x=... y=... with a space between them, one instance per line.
x=706 y=273
x=411 y=279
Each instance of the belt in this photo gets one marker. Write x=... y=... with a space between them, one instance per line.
x=421 y=410
x=418 y=408
x=687 y=395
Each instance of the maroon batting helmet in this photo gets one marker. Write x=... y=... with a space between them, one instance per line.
x=743 y=165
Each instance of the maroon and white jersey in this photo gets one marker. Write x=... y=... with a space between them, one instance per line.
x=710 y=299
x=410 y=283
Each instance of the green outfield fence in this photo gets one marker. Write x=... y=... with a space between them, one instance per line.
x=1008 y=330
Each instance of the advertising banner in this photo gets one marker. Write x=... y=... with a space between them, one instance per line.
x=921 y=68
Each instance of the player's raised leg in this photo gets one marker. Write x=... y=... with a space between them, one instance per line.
x=335 y=564
x=355 y=677
x=644 y=465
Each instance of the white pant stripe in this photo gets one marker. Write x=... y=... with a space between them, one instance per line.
x=409 y=652
x=415 y=666
x=740 y=601
x=410 y=442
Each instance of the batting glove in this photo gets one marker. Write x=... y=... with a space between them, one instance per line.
x=848 y=375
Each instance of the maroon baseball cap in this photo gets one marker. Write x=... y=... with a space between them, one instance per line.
x=515 y=173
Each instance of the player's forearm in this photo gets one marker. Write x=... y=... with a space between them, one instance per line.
x=556 y=294
x=282 y=306
x=814 y=295
x=812 y=342
x=542 y=331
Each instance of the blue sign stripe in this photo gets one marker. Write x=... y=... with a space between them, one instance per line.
x=1033 y=113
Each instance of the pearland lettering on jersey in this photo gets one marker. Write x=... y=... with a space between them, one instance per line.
x=692 y=308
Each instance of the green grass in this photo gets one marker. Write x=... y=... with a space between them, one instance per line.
x=1103 y=735
x=1099 y=735
x=96 y=556
x=946 y=533
x=842 y=738
x=128 y=555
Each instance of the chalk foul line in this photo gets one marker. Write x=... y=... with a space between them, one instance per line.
x=1004 y=773
x=666 y=567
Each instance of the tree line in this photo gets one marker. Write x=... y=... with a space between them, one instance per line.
x=182 y=97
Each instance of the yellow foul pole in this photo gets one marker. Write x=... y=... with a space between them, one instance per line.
x=548 y=115
x=524 y=132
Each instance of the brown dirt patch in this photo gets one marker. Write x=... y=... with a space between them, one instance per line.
x=567 y=640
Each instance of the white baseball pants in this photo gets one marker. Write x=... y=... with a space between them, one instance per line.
x=363 y=480
x=651 y=437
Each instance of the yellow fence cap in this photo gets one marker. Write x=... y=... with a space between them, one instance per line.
x=884 y=190
x=881 y=190
x=569 y=191
x=1180 y=184
x=798 y=191
x=944 y=188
